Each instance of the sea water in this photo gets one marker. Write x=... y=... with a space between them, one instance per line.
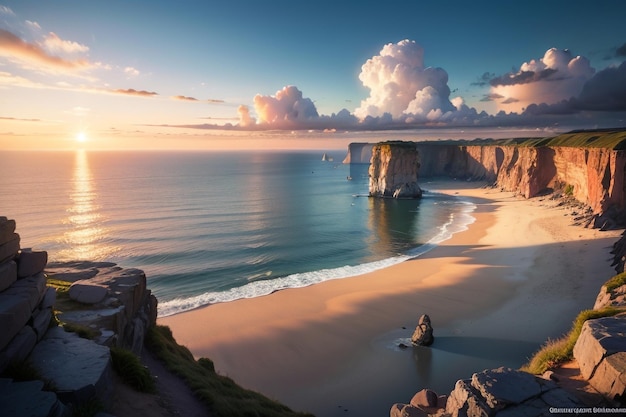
x=216 y=227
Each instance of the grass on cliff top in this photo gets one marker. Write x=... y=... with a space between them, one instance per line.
x=556 y=352
x=614 y=139
x=222 y=395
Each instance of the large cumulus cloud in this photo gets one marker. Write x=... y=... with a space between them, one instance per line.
x=404 y=93
x=286 y=107
x=401 y=85
x=557 y=76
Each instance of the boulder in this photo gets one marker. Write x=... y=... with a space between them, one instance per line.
x=86 y=292
x=8 y=274
x=598 y=339
x=609 y=377
x=31 y=262
x=506 y=392
x=423 y=335
x=406 y=410
x=429 y=401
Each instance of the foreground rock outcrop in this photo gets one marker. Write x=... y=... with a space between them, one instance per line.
x=501 y=391
x=394 y=170
x=101 y=300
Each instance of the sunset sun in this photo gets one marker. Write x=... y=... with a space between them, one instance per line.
x=81 y=137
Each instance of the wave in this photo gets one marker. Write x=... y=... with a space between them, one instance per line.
x=457 y=222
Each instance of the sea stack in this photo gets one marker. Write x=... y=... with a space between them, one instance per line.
x=393 y=170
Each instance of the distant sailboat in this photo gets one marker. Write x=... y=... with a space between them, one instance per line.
x=327 y=158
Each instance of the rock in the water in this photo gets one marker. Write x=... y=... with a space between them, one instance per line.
x=423 y=335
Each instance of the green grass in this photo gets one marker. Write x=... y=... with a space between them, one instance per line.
x=223 y=397
x=615 y=282
x=128 y=366
x=556 y=352
x=614 y=139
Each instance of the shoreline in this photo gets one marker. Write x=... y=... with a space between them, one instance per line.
x=495 y=292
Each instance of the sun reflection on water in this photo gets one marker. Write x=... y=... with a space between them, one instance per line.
x=87 y=237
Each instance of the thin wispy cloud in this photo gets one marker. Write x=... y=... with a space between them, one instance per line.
x=133 y=92
x=31 y=54
x=193 y=99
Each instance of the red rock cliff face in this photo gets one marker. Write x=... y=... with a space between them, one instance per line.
x=594 y=176
x=393 y=170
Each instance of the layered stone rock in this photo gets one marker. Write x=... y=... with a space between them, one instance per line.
x=117 y=303
x=19 y=399
x=600 y=353
x=24 y=315
x=79 y=369
x=394 y=170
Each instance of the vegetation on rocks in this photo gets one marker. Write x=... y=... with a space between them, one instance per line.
x=556 y=352
x=221 y=394
x=128 y=366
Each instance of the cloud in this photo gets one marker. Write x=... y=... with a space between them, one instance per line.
x=621 y=51
x=133 y=92
x=131 y=72
x=604 y=92
x=245 y=120
x=286 y=108
x=19 y=119
x=54 y=44
x=557 y=76
x=14 y=48
x=184 y=98
x=400 y=84
x=6 y=11
x=484 y=79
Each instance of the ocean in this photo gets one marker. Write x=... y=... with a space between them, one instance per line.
x=213 y=227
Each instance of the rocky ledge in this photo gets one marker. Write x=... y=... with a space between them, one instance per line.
x=109 y=304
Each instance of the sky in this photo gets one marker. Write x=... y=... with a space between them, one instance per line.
x=150 y=74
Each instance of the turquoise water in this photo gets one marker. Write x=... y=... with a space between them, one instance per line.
x=215 y=227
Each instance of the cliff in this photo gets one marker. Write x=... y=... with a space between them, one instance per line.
x=592 y=176
x=393 y=170
x=588 y=166
x=359 y=153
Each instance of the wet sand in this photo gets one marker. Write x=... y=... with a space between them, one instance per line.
x=495 y=293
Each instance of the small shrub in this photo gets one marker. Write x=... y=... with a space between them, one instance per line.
x=131 y=370
x=569 y=190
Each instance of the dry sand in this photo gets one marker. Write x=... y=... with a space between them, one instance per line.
x=495 y=293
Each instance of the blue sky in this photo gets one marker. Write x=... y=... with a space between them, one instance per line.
x=132 y=68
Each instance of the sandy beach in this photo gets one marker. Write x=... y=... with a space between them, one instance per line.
x=495 y=293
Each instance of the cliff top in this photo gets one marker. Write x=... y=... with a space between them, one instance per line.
x=601 y=138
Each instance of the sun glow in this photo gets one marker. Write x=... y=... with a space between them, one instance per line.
x=81 y=137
